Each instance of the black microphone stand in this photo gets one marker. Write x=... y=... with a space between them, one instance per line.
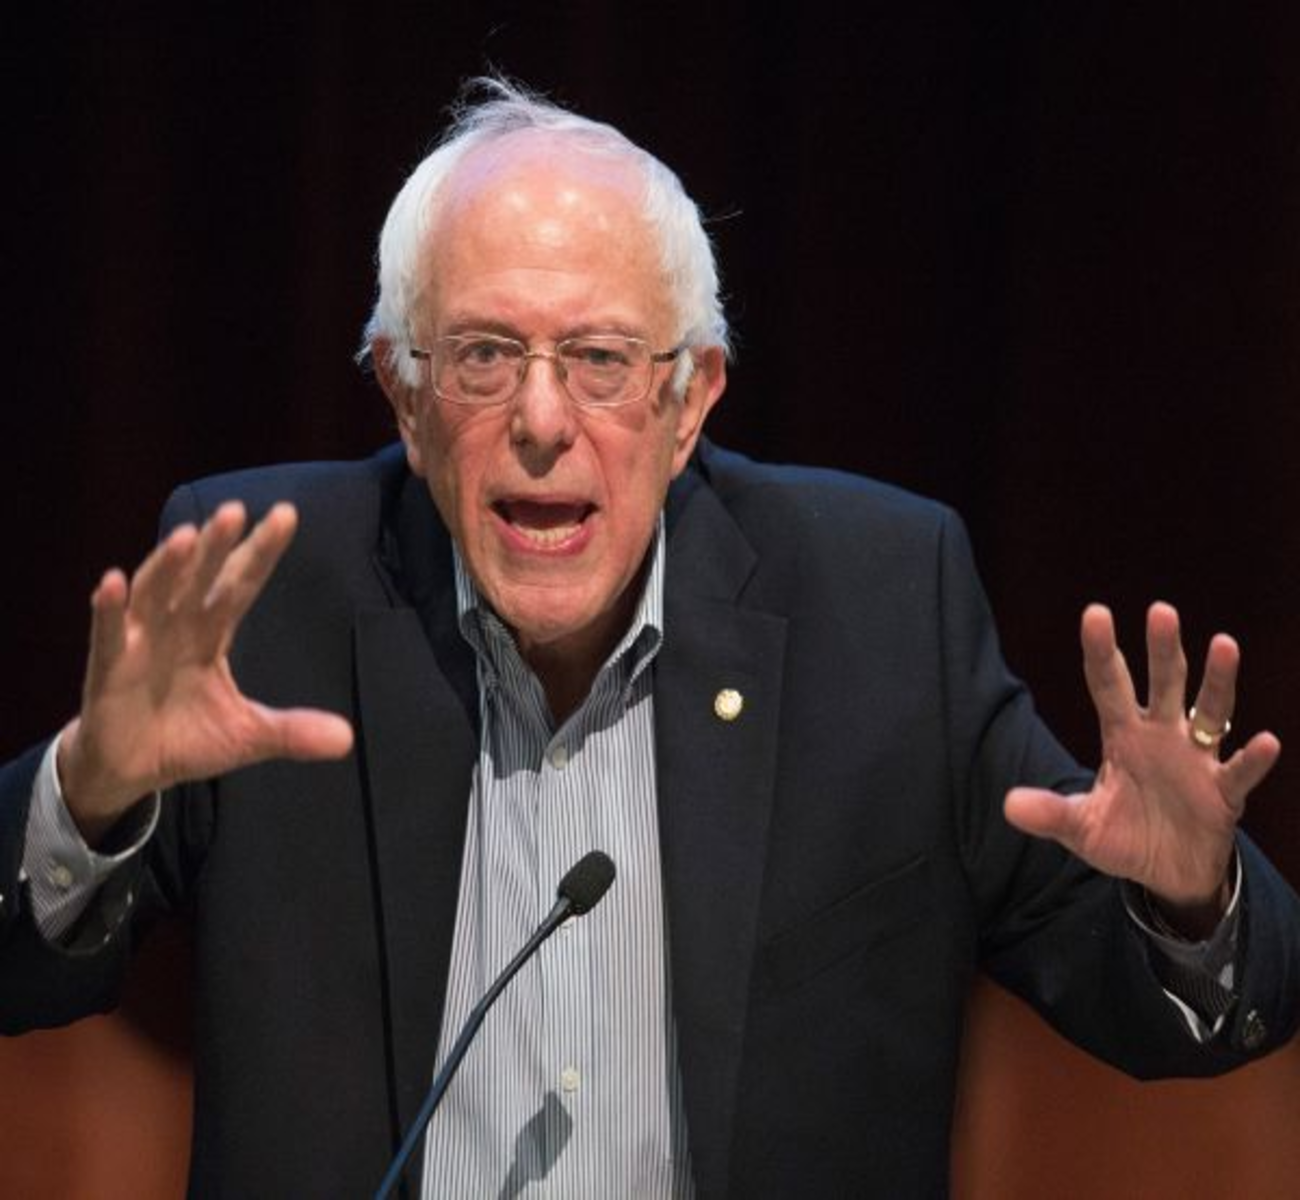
x=579 y=891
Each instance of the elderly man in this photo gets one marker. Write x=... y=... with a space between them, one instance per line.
x=558 y=619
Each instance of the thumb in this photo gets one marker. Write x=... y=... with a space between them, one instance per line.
x=1045 y=814
x=303 y=733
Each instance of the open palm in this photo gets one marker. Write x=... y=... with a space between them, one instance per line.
x=160 y=704
x=1164 y=809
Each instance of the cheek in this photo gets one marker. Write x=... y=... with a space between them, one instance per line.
x=637 y=481
x=453 y=455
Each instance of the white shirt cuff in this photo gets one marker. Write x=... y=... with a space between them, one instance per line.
x=64 y=873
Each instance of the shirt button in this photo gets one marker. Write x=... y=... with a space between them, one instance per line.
x=559 y=757
x=570 y=1079
x=59 y=876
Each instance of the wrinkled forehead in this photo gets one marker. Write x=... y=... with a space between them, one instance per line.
x=534 y=199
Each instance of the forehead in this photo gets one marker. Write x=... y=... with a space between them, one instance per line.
x=532 y=210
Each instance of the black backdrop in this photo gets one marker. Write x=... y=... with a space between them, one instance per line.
x=1040 y=261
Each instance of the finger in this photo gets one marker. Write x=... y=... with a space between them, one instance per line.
x=1166 y=664
x=154 y=584
x=249 y=566
x=1109 y=681
x=305 y=734
x=1217 y=697
x=1246 y=769
x=219 y=535
x=107 y=627
x=1046 y=814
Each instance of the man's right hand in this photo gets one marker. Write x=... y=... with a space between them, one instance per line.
x=160 y=705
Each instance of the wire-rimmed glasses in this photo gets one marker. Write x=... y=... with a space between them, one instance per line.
x=598 y=370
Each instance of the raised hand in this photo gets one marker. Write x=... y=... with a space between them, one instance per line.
x=160 y=705
x=1164 y=807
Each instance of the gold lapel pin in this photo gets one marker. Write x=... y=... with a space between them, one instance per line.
x=727 y=704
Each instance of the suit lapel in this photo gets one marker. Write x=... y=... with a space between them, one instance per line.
x=417 y=740
x=716 y=778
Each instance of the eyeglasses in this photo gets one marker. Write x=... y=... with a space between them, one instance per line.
x=598 y=370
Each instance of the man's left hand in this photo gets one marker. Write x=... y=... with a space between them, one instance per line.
x=1164 y=807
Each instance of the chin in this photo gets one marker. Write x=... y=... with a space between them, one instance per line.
x=545 y=629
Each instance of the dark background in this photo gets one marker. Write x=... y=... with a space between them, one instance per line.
x=1041 y=261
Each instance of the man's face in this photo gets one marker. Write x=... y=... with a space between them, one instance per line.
x=552 y=506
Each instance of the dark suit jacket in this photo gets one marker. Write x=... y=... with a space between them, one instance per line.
x=836 y=864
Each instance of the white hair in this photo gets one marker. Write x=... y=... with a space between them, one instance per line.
x=685 y=251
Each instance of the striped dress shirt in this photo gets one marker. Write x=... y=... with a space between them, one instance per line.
x=572 y=1088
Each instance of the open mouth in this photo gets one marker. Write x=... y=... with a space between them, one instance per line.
x=543 y=524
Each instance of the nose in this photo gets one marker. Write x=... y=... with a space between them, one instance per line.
x=543 y=421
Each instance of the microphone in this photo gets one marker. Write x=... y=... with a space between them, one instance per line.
x=582 y=888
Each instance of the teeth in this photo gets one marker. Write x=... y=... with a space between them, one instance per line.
x=547 y=537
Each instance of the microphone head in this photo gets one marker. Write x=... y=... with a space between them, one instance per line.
x=587 y=882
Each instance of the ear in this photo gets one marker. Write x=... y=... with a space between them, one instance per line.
x=404 y=399
x=707 y=383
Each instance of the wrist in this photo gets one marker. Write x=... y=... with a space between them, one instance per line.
x=1193 y=920
x=92 y=801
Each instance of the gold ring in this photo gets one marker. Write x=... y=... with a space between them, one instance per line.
x=1207 y=739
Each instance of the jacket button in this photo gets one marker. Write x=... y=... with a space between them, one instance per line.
x=1253 y=1030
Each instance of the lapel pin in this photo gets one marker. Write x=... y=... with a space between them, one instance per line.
x=727 y=704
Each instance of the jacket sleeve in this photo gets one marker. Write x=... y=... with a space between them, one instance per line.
x=42 y=983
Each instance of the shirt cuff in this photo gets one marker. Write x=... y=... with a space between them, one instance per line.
x=63 y=873
x=1199 y=977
